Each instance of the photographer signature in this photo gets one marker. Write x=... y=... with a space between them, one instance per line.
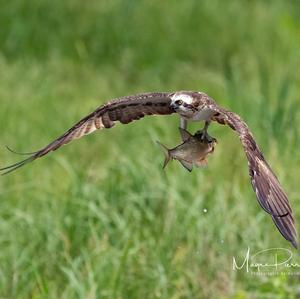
x=278 y=259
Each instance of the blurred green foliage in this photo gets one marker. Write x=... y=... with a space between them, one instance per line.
x=99 y=218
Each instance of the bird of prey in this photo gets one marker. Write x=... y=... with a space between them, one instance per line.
x=190 y=106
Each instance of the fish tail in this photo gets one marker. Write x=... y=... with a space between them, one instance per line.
x=167 y=154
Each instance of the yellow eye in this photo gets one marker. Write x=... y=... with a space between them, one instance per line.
x=179 y=102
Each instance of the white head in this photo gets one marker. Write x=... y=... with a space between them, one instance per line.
x=183 y=103
x=184 y=97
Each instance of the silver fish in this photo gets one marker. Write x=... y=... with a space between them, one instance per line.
x=192 y=152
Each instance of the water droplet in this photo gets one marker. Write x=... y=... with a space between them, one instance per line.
x=205 y=210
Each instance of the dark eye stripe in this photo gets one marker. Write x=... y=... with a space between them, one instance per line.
x=179 y=102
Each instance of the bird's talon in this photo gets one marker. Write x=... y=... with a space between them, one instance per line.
x=205 y=137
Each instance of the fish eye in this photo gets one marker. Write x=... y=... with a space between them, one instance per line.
x=179 y=102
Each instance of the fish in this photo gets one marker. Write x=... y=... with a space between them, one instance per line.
x=193 y=150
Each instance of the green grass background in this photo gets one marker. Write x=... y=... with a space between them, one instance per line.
x=99 y=218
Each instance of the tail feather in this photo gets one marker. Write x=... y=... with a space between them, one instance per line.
x=167 y=154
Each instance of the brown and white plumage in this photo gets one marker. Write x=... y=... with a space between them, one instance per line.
x=191 y=106
x=266 y=186
x=124 y=110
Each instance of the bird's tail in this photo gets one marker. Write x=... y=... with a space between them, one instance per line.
x=167 y=154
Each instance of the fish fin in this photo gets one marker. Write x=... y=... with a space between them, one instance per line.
x=185 y=135
x=186 y=165
x=167 y=154
x=201 y=163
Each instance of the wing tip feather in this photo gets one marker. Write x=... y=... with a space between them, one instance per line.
x=13 y=167
x=295 y=243
x=287 y=228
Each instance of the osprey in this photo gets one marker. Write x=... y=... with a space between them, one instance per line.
x=191 y=106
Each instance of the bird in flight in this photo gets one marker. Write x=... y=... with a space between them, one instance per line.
x=191 y=106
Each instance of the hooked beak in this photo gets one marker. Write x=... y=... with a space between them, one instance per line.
x=173 y=106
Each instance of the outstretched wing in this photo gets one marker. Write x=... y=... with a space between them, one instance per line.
x=124 y=110
x=269 y=192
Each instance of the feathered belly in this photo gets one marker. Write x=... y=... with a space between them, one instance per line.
x=204 y=114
